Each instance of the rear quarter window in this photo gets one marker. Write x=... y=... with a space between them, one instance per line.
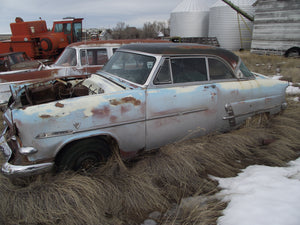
x=218 y=70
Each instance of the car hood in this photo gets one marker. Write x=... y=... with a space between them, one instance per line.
x=59 y=88
x=32 y=64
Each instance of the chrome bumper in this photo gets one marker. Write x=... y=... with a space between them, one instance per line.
x=12 y=171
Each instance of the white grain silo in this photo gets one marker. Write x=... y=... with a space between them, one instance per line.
x=232 y=30
x=190 y=18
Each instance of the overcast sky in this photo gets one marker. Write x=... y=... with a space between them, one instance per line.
x=96 y=13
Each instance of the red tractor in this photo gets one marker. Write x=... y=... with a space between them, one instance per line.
x=33 y=37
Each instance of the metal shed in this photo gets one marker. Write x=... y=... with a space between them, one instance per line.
x=276 y=27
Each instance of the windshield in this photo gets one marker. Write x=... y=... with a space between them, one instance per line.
x=67 y=58
x=130 y=66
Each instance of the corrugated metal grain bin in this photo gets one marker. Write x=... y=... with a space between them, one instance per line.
x=190 y=18
x=233 y=31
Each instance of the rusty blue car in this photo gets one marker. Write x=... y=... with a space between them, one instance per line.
x=145 y=97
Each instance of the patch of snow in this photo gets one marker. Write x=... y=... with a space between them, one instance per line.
x=262 y=195
x=292 y=90
x=276 y=77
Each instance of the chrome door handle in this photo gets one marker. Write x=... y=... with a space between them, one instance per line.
x=212 y=86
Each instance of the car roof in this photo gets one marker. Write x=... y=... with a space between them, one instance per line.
x=180 y=49
x=101 y=43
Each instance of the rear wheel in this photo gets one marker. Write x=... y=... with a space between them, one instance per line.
x=293 y=52
x=84 y=155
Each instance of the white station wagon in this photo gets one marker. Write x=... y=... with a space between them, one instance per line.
x=146 y=96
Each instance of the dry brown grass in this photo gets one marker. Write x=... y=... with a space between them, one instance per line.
x=125 y=193
x=119 y=194
x=289 y=68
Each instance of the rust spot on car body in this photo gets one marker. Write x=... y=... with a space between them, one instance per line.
x=59 y=105
x=113 y=119
x=44 y=116
x=44 y=75
x=103 y=112
x=124 y=109
x=124 y=100
x=128 y=155
x=196 y=47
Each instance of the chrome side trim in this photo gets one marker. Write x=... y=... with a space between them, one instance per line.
x=250 y=113
x=179 y=113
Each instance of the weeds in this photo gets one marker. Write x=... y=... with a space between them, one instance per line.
x=289 y=68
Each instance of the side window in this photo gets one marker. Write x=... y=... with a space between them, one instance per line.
x=218 y=70
x=58 y=28
x=245 y=71
x=94 y=57
x=83 y=57
x=77 y=31
x=163 y=76
x=67 y=28
x=101 y=57
x=188 y=70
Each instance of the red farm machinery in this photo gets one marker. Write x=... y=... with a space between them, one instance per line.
x=38 y=42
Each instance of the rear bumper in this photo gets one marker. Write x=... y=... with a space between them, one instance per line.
x=13 y=171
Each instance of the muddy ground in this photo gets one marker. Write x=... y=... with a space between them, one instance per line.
x=155 y=186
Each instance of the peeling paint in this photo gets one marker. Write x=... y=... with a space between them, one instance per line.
x=113 y=119
x=102 y=112
x=131 y=100
x=45 y=116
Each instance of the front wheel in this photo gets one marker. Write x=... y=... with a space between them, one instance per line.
x=84 y=155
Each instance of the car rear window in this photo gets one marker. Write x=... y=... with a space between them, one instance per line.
x=219 y=70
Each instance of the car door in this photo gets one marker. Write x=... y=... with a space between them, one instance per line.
x=238 y=98
x=181 y=103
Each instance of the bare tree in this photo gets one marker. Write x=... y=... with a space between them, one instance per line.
x=118 y=31
x=123 y=31
x=149 y=30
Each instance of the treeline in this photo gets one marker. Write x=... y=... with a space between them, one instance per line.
x=149 y=30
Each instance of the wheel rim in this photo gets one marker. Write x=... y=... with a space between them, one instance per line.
x=87 y=161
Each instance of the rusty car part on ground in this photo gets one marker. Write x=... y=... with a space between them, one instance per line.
x=146 y=96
